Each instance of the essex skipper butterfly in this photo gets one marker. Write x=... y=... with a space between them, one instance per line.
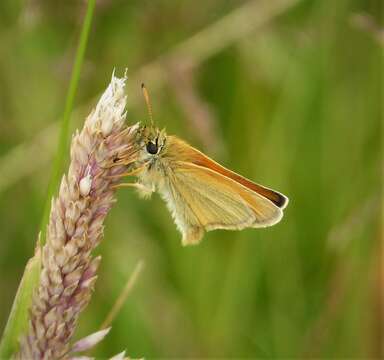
x=201 y=194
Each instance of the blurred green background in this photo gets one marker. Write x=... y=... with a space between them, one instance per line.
x=286 y=93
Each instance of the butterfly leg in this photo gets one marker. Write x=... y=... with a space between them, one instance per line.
x=122 y=160
x=129 y=173
x=144 y=191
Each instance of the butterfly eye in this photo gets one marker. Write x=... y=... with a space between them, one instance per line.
x=152 y=148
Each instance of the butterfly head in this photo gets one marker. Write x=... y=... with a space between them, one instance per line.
x=151 y=141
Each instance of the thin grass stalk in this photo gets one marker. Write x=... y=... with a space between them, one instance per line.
x=64 y=131
x=17 y=322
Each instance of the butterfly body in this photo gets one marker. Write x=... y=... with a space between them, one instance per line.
x=201 y=194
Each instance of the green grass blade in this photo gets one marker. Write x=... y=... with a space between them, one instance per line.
x=18 y=318
x=64 y=131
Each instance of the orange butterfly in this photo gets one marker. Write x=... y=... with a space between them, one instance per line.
x=201 y=194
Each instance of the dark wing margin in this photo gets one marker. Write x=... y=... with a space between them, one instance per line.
x=278 y=199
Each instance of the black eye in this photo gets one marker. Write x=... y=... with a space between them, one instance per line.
x=152 y=148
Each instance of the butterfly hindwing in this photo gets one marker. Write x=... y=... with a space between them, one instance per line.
x=201 y=200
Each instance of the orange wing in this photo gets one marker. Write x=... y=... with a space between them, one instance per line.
x=220 y=202
x=187 y=153
x=201 y=199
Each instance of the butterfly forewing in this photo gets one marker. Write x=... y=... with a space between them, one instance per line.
x=198 y=158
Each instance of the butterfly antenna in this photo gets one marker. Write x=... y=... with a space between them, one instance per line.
x=147 y=101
